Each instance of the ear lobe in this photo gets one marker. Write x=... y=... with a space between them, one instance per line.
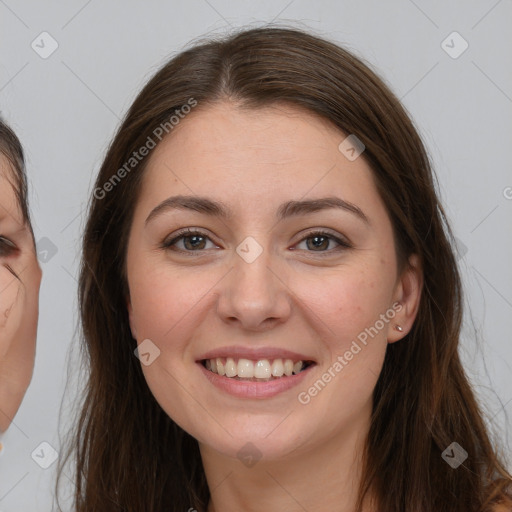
x=408 y=294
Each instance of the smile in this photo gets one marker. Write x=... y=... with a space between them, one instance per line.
x=262 y=370
x=239 y=377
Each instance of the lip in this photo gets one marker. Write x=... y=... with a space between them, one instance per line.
x=255 y=354
x=249 y=389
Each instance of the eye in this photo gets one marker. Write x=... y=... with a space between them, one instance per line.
x=196 y=241
x=320 y=241
x=193 y=241
x=7 y=248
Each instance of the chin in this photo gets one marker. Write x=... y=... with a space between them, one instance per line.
x=263 y=442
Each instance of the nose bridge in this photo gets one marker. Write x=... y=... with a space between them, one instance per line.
x=252 y=270
x=253 y=293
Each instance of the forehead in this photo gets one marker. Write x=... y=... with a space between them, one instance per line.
x=251 y=157
x=277 y=134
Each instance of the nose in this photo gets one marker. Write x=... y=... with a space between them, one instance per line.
x=254 y=294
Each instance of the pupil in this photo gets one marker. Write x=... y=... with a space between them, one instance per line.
x=316 y=239
x=193 y=240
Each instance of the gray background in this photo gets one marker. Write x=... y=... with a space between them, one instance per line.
x=66 y=107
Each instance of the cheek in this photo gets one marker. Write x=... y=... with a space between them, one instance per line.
x=168 y=307
x=347 y=302
x=350 y=309
x=165 y=301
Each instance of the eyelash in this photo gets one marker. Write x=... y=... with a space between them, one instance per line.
x=6 y=247
x=185 y=233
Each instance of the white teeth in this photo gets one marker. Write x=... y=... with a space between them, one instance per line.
x=262 y=369
x=230 y=367
x=247 y=369
x=277 y=368
x=220 y=367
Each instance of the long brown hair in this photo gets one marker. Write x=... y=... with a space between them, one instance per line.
x=129 y=455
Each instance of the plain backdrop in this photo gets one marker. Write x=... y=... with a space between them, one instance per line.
x=66 y=106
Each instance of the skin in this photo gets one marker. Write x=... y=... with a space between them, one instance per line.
x=20 y=279
x=290 y=297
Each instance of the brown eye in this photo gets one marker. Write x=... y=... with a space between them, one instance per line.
x=193 y=241
x=320 y=242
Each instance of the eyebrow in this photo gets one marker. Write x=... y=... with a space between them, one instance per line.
x=288 y=209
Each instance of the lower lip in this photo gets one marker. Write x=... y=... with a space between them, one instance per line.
x=250 y=389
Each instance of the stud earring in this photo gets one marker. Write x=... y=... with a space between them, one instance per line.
x=399 y=328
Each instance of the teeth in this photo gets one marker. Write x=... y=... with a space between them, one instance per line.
x=277 y=368
x=230 y=367
x=220 y=367
x=247 y=369
x=262 y=369
x=288 y=367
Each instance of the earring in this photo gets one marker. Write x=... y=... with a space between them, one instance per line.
x=399 y=328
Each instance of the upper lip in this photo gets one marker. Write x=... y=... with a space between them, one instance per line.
x=255 y=354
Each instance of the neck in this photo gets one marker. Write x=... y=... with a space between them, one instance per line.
x=325 y=477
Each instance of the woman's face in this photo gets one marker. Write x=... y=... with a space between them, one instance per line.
x=256 y=287
x=20 y=277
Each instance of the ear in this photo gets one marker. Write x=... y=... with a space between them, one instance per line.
x=130 y=316
x=408 y=293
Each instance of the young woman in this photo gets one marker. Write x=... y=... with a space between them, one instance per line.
x=270 y=303
x=20 y=278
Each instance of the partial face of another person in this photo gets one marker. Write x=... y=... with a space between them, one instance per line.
x=20 y=277
x=274 y=279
